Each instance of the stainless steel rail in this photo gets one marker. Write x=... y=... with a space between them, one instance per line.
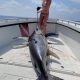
x=72 y=23
x=13 y=21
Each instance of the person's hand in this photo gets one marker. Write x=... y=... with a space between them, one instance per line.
x=39 y=10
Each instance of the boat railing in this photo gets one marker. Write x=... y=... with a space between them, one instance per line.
x=21 y=20
x=67 y=22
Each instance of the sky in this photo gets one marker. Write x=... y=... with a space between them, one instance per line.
x=60 y=9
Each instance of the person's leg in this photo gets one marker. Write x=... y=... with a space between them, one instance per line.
x=45 y=23
x=42 y=22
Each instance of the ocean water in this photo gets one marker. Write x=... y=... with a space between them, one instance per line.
x=9 y=17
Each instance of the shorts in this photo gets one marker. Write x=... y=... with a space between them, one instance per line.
x=44 y=14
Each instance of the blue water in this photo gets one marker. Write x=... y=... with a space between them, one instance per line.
x=9 y=17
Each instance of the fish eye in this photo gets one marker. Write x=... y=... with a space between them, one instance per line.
x=35 y=41
x=37 y=29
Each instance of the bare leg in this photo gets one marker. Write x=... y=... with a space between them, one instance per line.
x=43 y=21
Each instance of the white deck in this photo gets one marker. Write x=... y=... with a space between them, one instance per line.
x=15 y=63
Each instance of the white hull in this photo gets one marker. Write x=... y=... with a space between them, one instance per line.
x=15 y=63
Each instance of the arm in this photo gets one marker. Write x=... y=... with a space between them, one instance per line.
x=46 y=5
x=39 y=9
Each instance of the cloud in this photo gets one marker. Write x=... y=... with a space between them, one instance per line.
x=9 y=4
x=77 y=1
x=57 y=10
x=15 y=8
x=64 y=8
x=60 y=10
x=38 y=2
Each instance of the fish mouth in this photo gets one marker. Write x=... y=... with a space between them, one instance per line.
x=41 y=77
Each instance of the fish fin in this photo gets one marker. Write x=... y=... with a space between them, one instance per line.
x=40 y=78
x=49 y=52
x=52 y=77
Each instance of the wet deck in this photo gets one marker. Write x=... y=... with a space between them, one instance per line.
x=15 y=63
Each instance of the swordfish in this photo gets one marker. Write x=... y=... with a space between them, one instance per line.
x=38 y=50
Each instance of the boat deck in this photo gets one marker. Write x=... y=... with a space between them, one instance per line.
x=15 y=63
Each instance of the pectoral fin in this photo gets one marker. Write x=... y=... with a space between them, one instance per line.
x=49 y=52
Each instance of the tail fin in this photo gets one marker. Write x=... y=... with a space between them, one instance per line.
x=41 y=77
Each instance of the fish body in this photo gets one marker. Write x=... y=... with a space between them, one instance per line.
x=38 y=50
